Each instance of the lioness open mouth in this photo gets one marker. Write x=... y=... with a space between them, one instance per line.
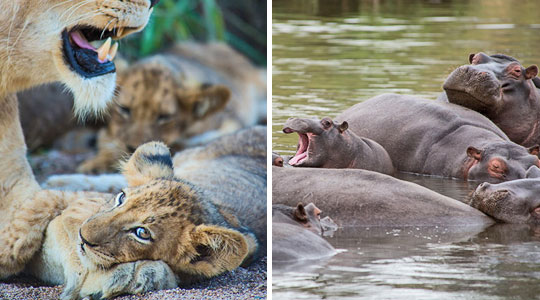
x=83 y=57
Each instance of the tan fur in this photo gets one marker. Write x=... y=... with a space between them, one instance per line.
x=185 y=97
x=197 y=231
x=31 y=54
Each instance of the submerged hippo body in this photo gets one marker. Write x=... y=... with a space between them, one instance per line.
x=500 y=88
x=516 y=201
x=443 y=139
x=327 y=144
x=296 y=233
x=363 y=198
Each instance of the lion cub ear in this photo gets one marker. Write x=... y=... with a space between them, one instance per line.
x=204 y=100
x=219 y=249
x=149 y=161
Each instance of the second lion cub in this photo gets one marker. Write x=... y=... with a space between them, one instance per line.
x=183 y=97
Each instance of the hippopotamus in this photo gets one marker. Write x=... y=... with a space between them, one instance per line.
x=296 y=233
x=516 y=201
x=328 y=144
x=444 y=139
x=500 y=88
x=308 y=216
x=277 y=160
x=355 y=197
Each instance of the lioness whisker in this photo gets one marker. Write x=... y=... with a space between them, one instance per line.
x=74 y=8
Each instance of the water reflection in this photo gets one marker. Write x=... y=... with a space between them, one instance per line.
x=329 y=55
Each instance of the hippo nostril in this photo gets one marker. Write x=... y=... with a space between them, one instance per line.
x=153 y=3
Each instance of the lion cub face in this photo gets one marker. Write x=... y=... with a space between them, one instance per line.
x=159 y=218
x=157 y=102
x=69 y=41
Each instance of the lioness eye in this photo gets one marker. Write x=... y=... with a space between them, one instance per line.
x=119 y=200
x=142 y=233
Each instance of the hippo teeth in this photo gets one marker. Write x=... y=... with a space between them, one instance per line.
x=301 y=154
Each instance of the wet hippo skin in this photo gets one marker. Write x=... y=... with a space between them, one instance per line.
x=356 y=197
x=444 y=139
x=296 y=233
x=499 y=87
x=516 y=201
x=328 y=144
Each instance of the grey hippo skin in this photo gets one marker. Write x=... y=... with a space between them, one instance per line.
x=500 y=88
x=444 y=139
x=516 y=201
x=296 y=234
x=328 y=144
x=277 y=160
x=356 y=197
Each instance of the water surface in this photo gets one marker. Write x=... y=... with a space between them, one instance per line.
x=329 y=55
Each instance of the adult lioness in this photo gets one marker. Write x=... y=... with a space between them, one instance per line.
x=43 y=41
x=194 y=226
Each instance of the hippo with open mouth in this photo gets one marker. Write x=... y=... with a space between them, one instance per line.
x=500 y=88
x=328 y=144
x=444 y=139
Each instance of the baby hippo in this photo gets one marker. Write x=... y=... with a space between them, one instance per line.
x=328 y=144
x=296 y=233
x=515 y=201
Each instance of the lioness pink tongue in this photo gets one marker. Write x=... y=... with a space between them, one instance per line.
x=297 y=158
x=105 y=53
x=81 y=41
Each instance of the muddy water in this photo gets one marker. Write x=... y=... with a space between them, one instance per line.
x=329 y=55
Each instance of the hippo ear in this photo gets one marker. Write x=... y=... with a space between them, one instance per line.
x=474 y=153
x=531 y=72
x=534 y=150
x=471 y=56
x=300 y=213
x=343 y=126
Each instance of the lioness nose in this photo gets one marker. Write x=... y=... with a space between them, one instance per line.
x=153 y=3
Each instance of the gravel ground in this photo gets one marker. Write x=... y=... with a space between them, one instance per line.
x=242 y=283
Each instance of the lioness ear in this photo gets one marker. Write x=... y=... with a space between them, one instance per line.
x=206 y=100
x=219 y=249
x=149 y=161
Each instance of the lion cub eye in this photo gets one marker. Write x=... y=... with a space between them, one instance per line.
x=124 y=111
x=142 y=233
x=120 y=198
x=162 y=118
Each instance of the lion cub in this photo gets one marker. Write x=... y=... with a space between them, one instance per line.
x=203 y=218
x=184 y=97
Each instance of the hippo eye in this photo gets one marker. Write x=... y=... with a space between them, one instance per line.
x=120 y=198
x=142 y=233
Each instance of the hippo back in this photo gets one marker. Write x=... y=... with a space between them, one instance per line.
x=421 y=135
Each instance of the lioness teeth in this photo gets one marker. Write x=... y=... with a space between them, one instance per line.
x=103 y=51
x=119 y=31
x=112 y=52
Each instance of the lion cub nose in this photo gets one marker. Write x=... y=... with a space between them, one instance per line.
x=153 y=3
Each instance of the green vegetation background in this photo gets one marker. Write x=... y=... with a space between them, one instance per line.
x=240 y=23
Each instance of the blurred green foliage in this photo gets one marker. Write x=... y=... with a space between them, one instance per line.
x=201 y=20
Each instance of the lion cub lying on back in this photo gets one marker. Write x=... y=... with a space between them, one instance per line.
x=206 y=217
x=184 y=97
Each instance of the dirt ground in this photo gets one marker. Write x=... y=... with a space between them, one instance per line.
x=242 y=283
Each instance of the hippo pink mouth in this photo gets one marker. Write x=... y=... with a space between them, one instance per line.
x=302 y=152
